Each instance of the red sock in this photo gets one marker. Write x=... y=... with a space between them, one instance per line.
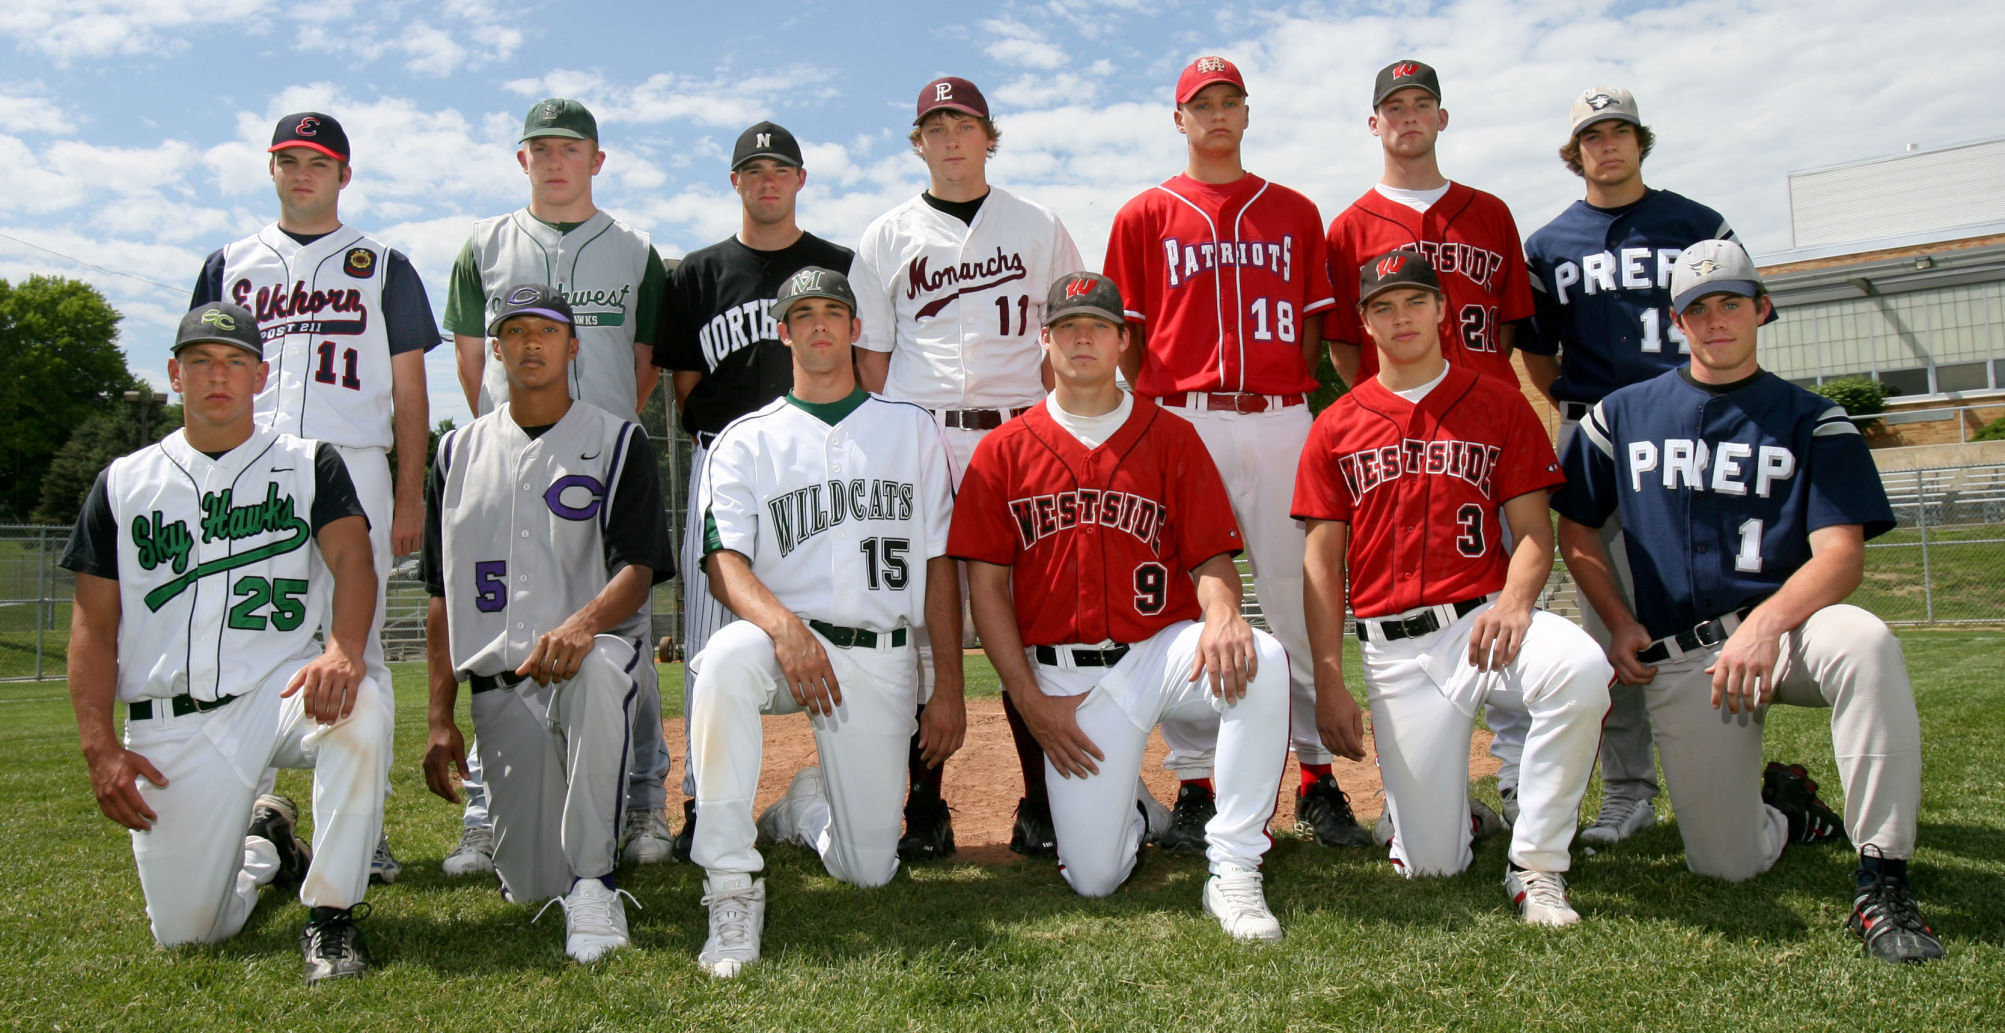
x=1313 y=773
x=1204 y=782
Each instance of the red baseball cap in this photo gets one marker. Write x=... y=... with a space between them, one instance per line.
x=1203 y=72
x=951 y=93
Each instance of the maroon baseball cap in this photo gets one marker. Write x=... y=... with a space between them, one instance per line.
x=1396 y=269
x=1203 y=72
x=311 y=129
x=951 y=93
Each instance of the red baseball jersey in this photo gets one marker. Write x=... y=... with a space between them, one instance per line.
x=1422 y=485
x=1223 y=276
x=1101 y=543
x=1472 y=242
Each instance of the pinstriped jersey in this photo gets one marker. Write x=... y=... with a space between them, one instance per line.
x=1718 y=488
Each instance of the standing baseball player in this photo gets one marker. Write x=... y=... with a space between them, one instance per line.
x=1409 y=483
x=1601 y=274
x=346 y=325
x=1102 y=635
x=949 y=286
x=722 y=345
x=546 y=524
x=827 y=505
x=1225 y=284
x=206 y=564
x=1468 y=236
x=1749 y=501
x=612 y=278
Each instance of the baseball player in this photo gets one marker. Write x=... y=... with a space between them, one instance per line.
x=346 y=325
x=206 y=565
x=1403 y=483
x=611 y=276
x=1225 y=285
x=1749 y=501
x=1601 y=274
x=948 y=288
x=723 y=348
x=546 y=523
x=827 y=505
x=1099 y=545
x=1468 y=236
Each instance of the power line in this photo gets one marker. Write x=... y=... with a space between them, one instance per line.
x=93 y=265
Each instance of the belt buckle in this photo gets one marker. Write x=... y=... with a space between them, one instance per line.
x=1417 y=625
x=1709 y=633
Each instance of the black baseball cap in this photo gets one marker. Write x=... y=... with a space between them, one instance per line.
x=531 y=299
x=310 y=129
x=560 y=116
x=1396 y=269
x=1401 y=74
x=1083 y=294
x=813 y=282
x=951 y=93
x=220 y=323
x=766 y=140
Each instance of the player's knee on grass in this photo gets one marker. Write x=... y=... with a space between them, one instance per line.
x=1104 y=862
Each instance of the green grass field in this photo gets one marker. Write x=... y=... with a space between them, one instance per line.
x=967 y=948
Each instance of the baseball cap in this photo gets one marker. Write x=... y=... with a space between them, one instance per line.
x=1401 y=74
x=531 y=299
x=1713 y=267
x=560 y=116
x=310 y=129
x=1203 y=72
x=1083 y=294
x=812 y=282
x=1599 y=104
x=220 y=323
x=766 y=140
x=951 y=93
x=1396 y=269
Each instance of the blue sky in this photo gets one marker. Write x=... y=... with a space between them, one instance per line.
x=132 y=131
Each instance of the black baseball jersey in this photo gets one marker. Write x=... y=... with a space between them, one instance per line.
x=714 y=321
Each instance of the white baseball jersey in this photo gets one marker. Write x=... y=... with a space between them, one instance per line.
x=838 y=507
x=958 y=305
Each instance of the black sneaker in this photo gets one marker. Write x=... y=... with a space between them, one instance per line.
x=1788 y=788
x=1033 y=835
x=1195 y=807
x=274 y=818
x=686 y=839
x=1885 y=917
x=332 y=944
x=929 y=829
x=1324 y=809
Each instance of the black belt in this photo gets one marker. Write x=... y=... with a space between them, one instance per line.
x=1703 y=635
x=979 y=419
x=490 y=682
x=1392 y=629
x=844 y=638
x=1082 y=657
x=1230 y=401
x=179 y=706
x=1575 y=411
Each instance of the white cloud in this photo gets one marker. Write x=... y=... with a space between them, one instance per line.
x=75 y=29
x=1012 y=43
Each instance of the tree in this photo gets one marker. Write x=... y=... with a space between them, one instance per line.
x=1859 y=395
x=63 y=367
x=102 y=438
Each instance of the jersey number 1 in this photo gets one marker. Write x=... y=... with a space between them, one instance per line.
x=325 y=374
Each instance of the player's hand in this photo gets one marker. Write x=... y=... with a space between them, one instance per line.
x=1339 y=722
x=1624 y=642
x=115 y=775
x=943 y=726
x=445 y=752
x=329 y=684
x=559 y=653
x=1496 y=636
x=1744 y=672
x=1054 y=722
x=805 y=664
x=1225 y=649
x=407 y=528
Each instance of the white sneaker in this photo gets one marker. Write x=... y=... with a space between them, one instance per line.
x=1618 y=820
x=595 y=922
x=649 y=839
x=474 y=854
x=780 y=823
x=737 y=917
x=1233 y=896
x=1156 y=818
x=1540 y=897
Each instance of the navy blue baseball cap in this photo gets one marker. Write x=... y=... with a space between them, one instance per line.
x=531 y=299
x=313 y=130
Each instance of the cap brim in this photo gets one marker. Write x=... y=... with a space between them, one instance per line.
x=1741 y=288
x=951 y=106
x=1207 y=81
x=231 y=341
x=1052 y=318
x=1598 y=118
x=784 y=159
x=322 y=148
x=568 y=134
x=780 y=314
x=494 y=327
x=1380 y=99
x=1382 y=288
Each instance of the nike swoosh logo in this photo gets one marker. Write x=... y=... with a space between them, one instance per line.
x=594 y=455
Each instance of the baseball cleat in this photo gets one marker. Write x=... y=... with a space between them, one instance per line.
x=648 y=838
x=929 y=828
x=685 y=840
x=1194 y=810
x=595 y=922
x=1885 y=917
x=474 y=854
x=1234 y=897
x=1033 y=834
x=1483 y=821
x=1788 y=788
x=273 y=819
x=1323 y=808
x=780 y=823
x=737 y=906
x=332 y=944
x=1618 y=820
x=1157 y=820
x=1540 y=897
x=1510 y=796
x=383 y=865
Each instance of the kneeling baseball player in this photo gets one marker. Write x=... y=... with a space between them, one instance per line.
x=1402 y=483
x=544 y=533
x=203 y=569
x=1100 y=545
x=1746 y=503
x=825 y=528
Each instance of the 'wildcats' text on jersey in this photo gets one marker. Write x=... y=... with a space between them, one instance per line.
x=805 y=512
x=1183 y=260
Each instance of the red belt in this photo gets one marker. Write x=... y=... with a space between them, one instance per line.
x=1229 y=401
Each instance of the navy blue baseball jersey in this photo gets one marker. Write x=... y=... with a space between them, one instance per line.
x=1718 y=488
x=1601 y=288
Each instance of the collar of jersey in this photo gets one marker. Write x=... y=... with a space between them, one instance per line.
x=830 y=413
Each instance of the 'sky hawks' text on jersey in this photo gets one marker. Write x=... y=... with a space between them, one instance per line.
x=1041 y=516
x=1183 y=261
x=805 y=512
x=1470 y=461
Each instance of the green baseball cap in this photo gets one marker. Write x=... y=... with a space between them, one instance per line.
x=560 y=116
